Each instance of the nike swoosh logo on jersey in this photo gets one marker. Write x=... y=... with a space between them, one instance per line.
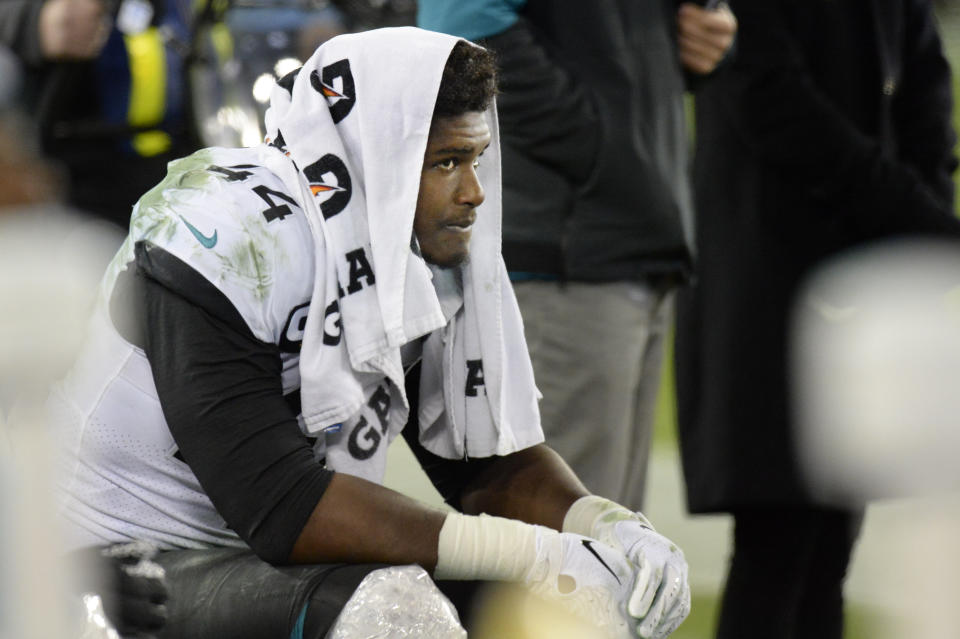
x=207 y=241
x=588 y=544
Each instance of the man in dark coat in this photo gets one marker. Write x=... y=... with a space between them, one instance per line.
x=831 y=127
x=597 y=205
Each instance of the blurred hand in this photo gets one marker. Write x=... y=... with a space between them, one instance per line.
x=137 y=604
x=704 y=35
x=131 y=585
x=73 y=29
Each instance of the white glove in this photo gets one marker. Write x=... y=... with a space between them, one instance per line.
x=587 y=578
x=660 y=598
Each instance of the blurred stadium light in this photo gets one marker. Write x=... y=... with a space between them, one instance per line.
x=241 y=47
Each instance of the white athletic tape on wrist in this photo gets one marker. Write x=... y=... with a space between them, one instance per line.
x=488 y=548
x=587 y=512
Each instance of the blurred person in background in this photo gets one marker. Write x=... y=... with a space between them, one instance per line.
x=597 y=209
x=118 y=88
x=47 y=244
x=51 y=257
x=831 y=128
x=105 y=91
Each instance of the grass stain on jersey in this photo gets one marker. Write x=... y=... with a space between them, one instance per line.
x=154 y=215
x=260 y=255
x=250 y=259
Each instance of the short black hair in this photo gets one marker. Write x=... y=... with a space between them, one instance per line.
x=469 y=81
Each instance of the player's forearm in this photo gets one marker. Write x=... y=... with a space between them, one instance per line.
x=358 y=521
x=533 y=485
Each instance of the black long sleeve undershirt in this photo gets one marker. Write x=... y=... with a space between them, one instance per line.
x=449 y=476
x=221 y=394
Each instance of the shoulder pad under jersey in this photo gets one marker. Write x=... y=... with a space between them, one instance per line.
x=233 y=221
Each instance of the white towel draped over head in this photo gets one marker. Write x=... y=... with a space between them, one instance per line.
x=355 y=122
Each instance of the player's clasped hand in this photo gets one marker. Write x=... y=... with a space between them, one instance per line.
x=661 y=596
x=659 y=600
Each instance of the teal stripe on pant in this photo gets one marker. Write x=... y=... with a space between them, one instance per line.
x=297 y=632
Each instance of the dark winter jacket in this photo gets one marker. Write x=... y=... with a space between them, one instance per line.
x=830 y=128
x=595 y=184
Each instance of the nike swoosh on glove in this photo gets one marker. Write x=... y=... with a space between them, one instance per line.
x=660 y=597
x=587 y=578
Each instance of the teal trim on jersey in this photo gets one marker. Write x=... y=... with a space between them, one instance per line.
x=526 y=276
x=472 y=19
x=297 y=632
x=207 y=241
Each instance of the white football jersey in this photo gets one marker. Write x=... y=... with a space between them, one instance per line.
x=230 y=219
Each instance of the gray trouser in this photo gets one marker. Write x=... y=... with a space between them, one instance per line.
x=597 y=350
x=231 y=593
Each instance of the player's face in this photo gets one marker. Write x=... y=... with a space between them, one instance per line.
x=450 y=190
